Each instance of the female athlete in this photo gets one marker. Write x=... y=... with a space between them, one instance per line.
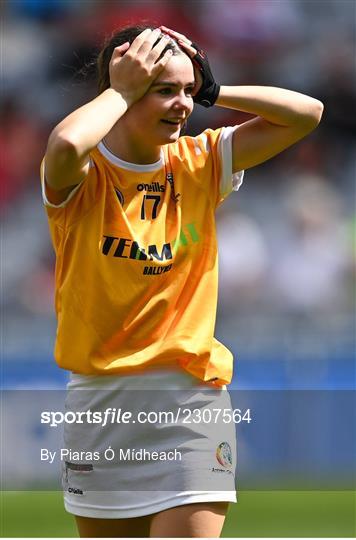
x=131 y=207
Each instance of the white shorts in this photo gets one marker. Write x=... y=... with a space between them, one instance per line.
x=158 y=442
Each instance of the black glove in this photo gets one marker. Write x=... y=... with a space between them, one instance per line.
x=209 y=91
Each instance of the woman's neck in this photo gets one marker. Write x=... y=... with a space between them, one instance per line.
x=129 y=149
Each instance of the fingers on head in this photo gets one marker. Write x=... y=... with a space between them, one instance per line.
x=175 y=34
x=188 y=49
x=163 y=62
x=149 y=42
x=137 y=42
x=159 y=47
x=146 y=41
x=123 y=47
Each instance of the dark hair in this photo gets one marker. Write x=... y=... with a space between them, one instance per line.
x=119 y=38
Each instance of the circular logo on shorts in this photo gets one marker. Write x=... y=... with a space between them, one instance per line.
x=224 y=454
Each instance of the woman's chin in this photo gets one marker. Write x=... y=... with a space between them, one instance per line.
x=171 y=137
x=169 y=133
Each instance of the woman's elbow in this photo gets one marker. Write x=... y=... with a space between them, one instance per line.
x=313 y=114
x=318 y=109
x=60 y=143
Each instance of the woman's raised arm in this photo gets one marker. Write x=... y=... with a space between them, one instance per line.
x=132 y=70
x=282 y=118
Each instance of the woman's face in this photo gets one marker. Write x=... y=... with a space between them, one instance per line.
x=158 y=117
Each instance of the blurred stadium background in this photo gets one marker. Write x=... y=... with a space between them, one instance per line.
x=287 y=239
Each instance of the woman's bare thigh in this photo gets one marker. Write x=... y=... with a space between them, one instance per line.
x=110 y=528
x=198 y=520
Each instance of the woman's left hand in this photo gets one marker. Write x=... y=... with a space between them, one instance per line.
x=187 y=46
x=206 y=90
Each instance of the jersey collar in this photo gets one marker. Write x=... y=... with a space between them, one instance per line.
x=115 y=160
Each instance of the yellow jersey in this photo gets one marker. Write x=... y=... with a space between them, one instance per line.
x=136 y=261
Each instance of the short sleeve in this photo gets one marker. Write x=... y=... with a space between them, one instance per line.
x=45 y=199
x=229 y=181
x=207 y=158
x=79 y=201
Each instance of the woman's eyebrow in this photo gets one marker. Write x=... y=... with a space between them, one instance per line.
x=166 y=83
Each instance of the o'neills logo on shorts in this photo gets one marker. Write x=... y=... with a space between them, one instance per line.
x=156 y=187
x=75 y=491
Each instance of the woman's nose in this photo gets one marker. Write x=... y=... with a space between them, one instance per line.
x=182 y=101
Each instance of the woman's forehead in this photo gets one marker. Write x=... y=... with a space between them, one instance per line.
x=179 y=69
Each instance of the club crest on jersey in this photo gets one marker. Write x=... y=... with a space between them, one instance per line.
x=120 y=196
x=170 y=180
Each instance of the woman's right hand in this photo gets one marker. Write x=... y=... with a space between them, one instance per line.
x=134 y=67
x=132 y=70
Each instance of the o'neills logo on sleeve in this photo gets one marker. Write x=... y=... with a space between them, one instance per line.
x=155 y=187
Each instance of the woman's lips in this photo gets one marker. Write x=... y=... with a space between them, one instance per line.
x=172 y=122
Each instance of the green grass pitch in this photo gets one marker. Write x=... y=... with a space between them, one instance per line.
x=257 y=514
